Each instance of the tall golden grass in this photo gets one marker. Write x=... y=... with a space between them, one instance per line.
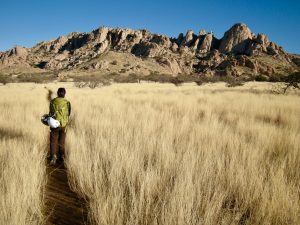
x=22 y=152
x=158 y=154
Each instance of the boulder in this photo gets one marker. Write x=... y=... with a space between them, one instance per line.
x=262 y=39
x=243 y=60
x=184 y=50
x=254 y=48
x=125 y=39
x=161 y=40
x=54 y=64
x=258 y=45
x=172 y=64
x=206 y=43
x=211 y=61
x=100 y=34
x=188 y=39
x=62 y=56
x=101 y=47
x=195 y=44
x=76 y=41
x=236 y=39
x=273 y=49
x=19 y=51
x=256 y=66
x=174 y=47
x=101 y=65
x=228 y=63
x=265 y=69
x=52 y=46
x=58 y=43
x=135 y=37
x=147 y=49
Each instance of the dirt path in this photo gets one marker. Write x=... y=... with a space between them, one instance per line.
x=62 y=205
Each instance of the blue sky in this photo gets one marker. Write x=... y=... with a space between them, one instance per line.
x=29 y=22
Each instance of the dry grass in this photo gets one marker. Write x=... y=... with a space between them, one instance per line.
x=160 y=154
x=22 y=145
x=157 y=154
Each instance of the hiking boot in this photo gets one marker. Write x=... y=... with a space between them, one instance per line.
x=60 y=160
x=53 y=160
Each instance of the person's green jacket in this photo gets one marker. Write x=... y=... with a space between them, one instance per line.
x=60 y=109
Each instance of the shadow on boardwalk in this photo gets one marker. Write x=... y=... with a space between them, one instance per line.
x=62 y=205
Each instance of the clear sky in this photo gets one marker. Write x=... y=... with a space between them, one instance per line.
x=27 y=22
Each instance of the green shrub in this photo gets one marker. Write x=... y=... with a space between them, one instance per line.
x=261 y=78
x=294 y=77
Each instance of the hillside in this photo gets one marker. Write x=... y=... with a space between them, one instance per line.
x=116 y=51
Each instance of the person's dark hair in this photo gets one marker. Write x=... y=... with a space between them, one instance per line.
x=61 y=92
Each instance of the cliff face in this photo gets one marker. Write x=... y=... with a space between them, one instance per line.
x=238 y=53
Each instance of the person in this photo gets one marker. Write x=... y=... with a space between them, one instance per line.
x=60 y=109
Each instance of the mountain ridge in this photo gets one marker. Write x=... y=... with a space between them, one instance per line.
x=126 y=51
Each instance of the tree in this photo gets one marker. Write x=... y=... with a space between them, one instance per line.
x=292 y=80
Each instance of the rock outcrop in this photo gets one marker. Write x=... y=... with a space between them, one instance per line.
x=19 y=51
x=206 y=44
x=15 y=57
x=236 y=39
x=239 y=52
x=172 y=64
x=188 y=39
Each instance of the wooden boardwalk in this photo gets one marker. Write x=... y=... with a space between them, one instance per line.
x=62 y=205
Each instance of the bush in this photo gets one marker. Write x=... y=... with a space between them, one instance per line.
x=235 y=83
x=112 y=74
x=294 y=77
x=37 y=78
x=177 y=81
x=131 y=78
x=275 y=78
x=292 y=80
x=157 y=78
x=115 y=62
x=261 y=78
x=92 y=84
x=5 y=79
x=122 y=71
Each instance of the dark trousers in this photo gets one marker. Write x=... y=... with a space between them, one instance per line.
x=57 y=141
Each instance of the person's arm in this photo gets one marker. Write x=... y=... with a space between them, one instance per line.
x=69 y=108
x=51 y=109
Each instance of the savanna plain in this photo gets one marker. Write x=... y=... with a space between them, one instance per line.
x=154 y=153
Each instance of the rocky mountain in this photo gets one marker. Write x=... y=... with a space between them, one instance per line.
x=125 y=51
